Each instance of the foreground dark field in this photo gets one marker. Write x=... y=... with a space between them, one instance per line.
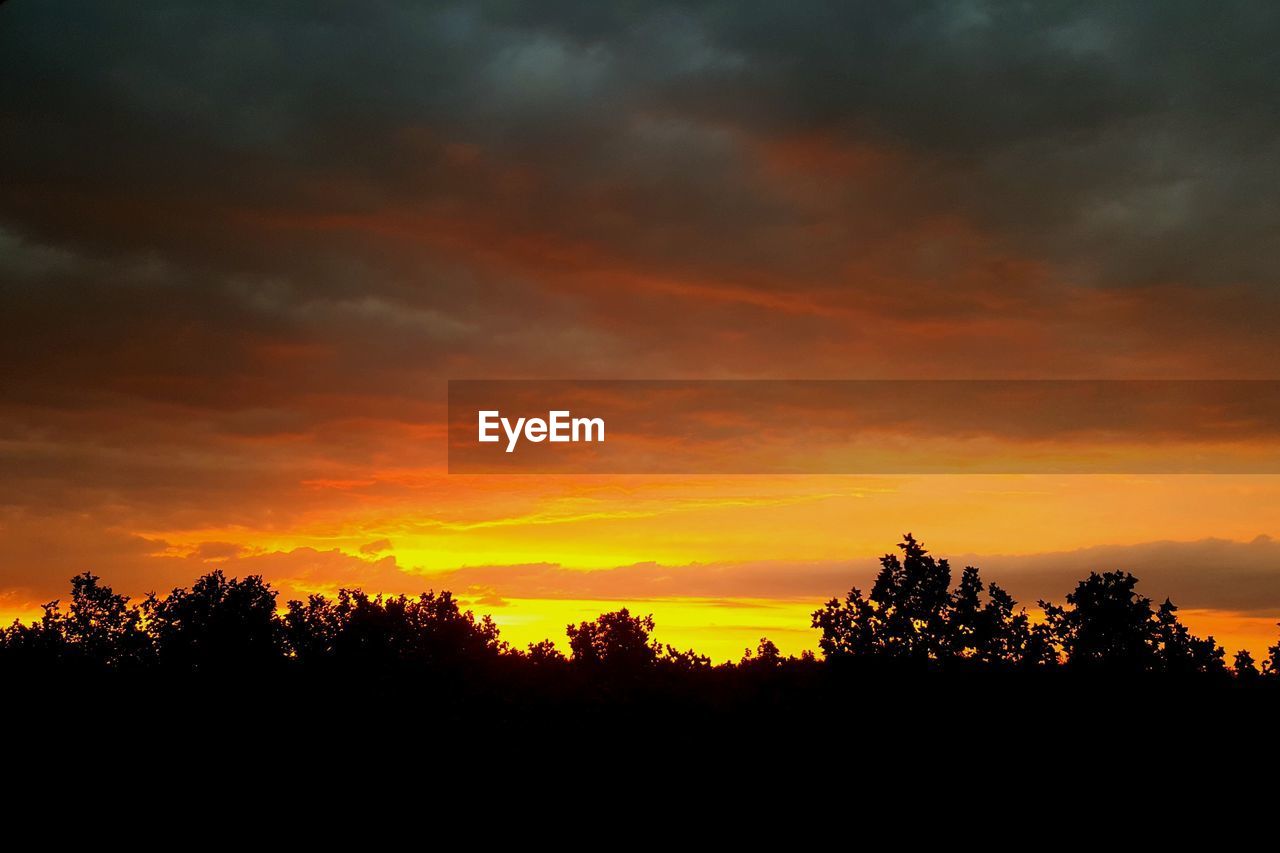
x=915 y=665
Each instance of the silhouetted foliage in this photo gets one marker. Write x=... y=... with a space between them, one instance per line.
x=430 y=630
x=905 y=616
x=1271 y=666
x=217 y=625
x=912 y=617
x=1107 y=626
x=686 y=661
x=991 y=632
x=1244 y=667
x=617 y=640
x=101 y=629
x=766 y=655
x=39 y=645
x=544 y=653
x=1179 y=652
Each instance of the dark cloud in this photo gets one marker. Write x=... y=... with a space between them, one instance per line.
x=1215 y=574
x=375 y=547
x=1143 y=137
x=409 y=184
x=208 y=551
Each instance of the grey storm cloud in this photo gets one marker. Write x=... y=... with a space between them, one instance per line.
x=1141 y=137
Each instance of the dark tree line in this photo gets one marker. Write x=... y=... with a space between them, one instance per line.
x=912 y=618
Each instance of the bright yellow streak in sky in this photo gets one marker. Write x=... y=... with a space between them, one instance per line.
x=584 y=522
x=720 y=629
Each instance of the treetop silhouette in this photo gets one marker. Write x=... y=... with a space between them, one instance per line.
x=912 y=618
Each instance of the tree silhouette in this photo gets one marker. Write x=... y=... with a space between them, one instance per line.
x=1271 y=666
x=40 y=645
x=766 y=655
x=1178 y=652
x=616 y=640
x=991 y=632
x=912 y=616
x=218 y=625
x=683 y=661
x=311 y=629
x=1105 y=625
x=430 y=630
x=544 y=653
x=1244 y=667
x=1108 y=626
x=904 y=617
x=101 y=629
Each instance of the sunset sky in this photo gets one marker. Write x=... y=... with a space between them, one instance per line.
x=244 y=246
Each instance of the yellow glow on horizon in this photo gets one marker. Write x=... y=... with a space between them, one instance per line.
x=590 y=523
x=720 y=629
x=442 y=523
